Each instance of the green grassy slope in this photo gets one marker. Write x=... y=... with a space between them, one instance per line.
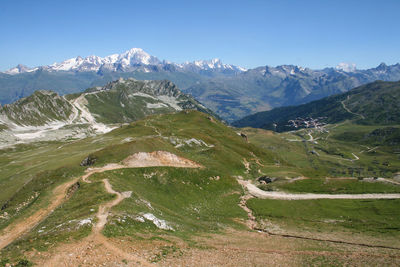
x=372 y=217
x=191 y=201
x=330 y=167
x=194 y=201
x=331 y=154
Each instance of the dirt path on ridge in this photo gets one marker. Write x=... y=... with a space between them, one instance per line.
x=103 y=212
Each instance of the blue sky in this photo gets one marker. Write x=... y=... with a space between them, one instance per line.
x=313 y=34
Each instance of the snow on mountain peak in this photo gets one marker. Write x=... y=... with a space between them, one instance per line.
x=127 y=61
x=346 y=67
x=212 y=64
x=19 y=69
x=138 y=56
x=134 y=56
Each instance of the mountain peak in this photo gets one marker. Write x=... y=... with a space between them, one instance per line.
x=138 y=56
x=135 y=50
x=382 y=66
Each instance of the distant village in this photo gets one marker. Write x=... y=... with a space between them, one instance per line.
x=307 y=122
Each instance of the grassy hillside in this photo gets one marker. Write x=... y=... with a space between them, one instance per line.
x=371 y=104
x=342 y=150
x=196 y=202
x=192 y=201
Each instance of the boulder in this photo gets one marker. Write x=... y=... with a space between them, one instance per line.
x=88 y=161
x=265 y=179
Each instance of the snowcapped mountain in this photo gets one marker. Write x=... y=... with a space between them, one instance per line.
x=131 y=60
x=213 y=64
x=126 y=61
x=19 y=69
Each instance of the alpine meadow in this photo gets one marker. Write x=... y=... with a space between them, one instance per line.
x=125 y=157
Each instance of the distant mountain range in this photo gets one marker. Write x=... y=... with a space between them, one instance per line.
x=230 y=91
x=131 y=60
x=264 y=88
x=376 y=103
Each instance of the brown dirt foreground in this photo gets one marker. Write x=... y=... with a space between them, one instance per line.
x=233 y=248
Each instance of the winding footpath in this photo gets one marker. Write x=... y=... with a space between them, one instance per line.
x=104 y=210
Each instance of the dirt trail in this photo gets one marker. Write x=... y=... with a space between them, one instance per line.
x=103 y=212
x=95 y=248
x=14 y=231
x=251 y=222
x=257 y=192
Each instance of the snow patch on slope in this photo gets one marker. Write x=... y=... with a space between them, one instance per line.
x=156 y=105
x=171 y=101
x=85 y=116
